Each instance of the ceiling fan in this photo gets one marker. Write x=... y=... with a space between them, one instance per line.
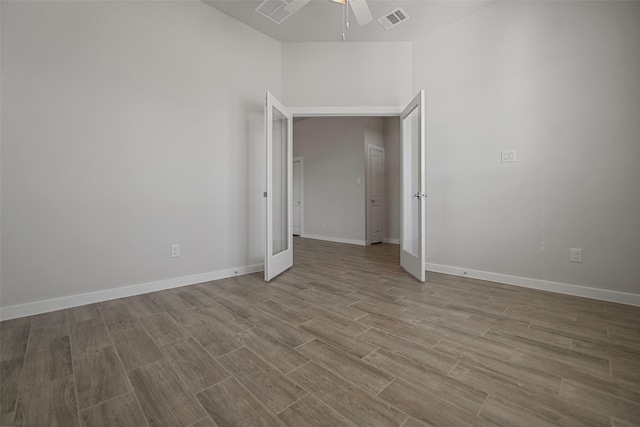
x=279 y=10
x=360 y=10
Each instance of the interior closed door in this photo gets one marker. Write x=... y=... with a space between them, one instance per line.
x=412 y=192
x=296 y=204
x=279 y=239
x=375 y=187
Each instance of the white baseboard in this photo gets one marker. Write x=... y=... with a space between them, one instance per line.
x=335 y=239
x=544 y=285
x=38 y=307
x=392 y=241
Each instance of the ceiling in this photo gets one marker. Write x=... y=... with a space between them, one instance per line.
x=321 y=20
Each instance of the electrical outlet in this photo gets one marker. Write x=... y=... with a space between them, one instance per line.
x=175 y=251
x=575 y=255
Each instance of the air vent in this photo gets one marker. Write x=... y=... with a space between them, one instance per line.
x=275 y=10
x=392 y=19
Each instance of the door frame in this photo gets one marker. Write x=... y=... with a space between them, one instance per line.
x=367 y=191
x=346 y=111
x=301 y=160
x=349 y=111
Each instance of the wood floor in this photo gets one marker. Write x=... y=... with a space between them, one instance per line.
x=344 y=338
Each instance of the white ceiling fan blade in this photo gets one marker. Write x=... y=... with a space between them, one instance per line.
x=295 y=6
x=361 y=11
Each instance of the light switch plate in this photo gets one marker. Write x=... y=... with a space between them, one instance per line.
x=575 y=255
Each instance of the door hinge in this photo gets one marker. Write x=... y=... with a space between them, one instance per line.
x=264 y=194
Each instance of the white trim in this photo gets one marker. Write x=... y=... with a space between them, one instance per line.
x=392 y=241
x=345 y=111
x=544 y=285
x=45 y=306
x=334 y=239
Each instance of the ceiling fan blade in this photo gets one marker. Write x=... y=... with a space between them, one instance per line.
x=361 y=11
x=295 y=6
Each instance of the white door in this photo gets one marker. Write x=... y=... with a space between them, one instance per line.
x=279 y=240
x=296 y=200
x=375 y=186
x=412 y=195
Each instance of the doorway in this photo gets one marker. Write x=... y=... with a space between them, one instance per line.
x=345 y=168
x=412 y=141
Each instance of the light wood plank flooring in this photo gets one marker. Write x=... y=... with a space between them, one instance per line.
x=344 y=338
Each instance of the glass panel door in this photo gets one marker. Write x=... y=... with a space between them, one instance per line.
x=279 y=235
x=412 y=227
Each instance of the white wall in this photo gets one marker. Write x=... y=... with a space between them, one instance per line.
x=334 y=177
x=346 y=74
x=127 y=127
x=373 y=131
x=558 y=82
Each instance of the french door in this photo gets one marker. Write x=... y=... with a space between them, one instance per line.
x=412 y=217
x=279 y=236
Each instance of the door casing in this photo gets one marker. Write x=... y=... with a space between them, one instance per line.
x=354 y=111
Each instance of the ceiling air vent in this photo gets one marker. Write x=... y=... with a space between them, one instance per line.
x=275 y=10
x=394 y=18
